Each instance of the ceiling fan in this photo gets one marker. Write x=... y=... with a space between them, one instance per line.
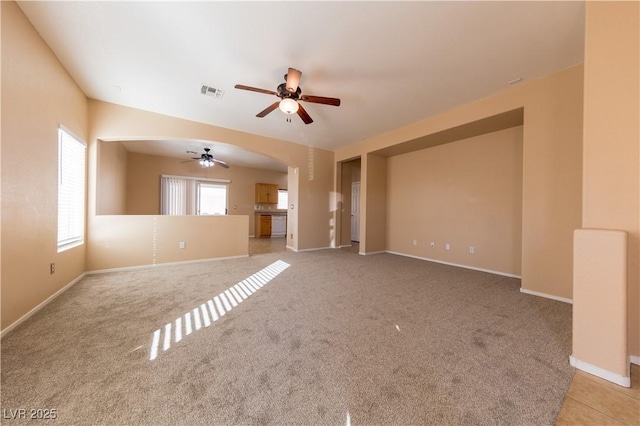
x=289 y=94
x=206 y=159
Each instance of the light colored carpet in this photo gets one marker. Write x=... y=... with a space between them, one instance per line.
x=332 y=338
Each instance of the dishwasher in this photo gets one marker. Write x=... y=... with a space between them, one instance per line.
x=278 y=226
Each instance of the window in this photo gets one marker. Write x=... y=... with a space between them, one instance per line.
x=183 y=195
x=283 y=199
x=212 y=198
x=71 y=184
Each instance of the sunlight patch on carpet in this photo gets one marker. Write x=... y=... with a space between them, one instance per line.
x=213 y=309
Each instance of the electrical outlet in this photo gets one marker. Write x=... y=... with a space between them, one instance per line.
x=52 y=268
x=472 y=249
x=183 y=244
x=447 y=246
x=415 y=242
x=433 y=245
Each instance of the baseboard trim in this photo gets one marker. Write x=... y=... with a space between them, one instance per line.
x=369 y=253
x=148 y=266
x=309 y=249
x=40 y=306
x=634 y=359
x=490 y=271
x=546 y=296
x=600 y=372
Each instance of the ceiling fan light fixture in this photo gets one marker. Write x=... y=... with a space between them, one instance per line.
x=206 y=163
x=289 y=106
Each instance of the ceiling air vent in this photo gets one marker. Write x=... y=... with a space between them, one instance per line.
x=211 y=91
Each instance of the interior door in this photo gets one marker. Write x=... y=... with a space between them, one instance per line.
x=355 y=211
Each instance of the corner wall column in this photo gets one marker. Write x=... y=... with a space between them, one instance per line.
x=373 y=204
x=605 y=272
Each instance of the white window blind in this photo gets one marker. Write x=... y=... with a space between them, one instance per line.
x=71 y=189
x=178 y=196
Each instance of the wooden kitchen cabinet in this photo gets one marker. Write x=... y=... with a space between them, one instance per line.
x=266 y=193
x=263 y=225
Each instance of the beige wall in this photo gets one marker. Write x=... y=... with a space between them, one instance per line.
x=612 y=143
x=465 y=193
x=37 y=96
x=373 y=204
x=139 y=240
x=552 y=172
x=316 y=228
x=112 y=181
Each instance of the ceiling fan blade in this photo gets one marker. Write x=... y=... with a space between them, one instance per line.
x=220 y=163
x=293 y=80
x=320 y=100
x=268 y=109
x=188 y=161
x=304 y=115
x=255 y=89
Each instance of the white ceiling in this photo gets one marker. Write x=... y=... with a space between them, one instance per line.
x=391 y=63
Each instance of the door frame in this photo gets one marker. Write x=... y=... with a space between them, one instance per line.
x=355 y=212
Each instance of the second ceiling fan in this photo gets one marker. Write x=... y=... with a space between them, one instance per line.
x=289 y=94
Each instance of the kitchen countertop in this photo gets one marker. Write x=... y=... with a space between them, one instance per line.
x=271 y=212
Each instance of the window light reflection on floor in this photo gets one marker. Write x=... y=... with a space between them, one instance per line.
x=213 y=309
